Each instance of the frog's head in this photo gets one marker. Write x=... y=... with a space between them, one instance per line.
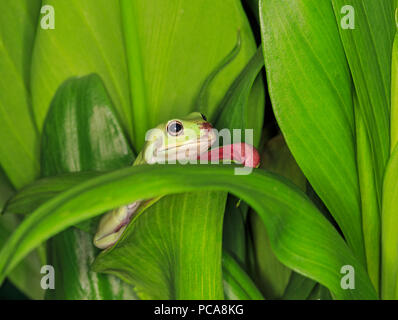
x=182 y=139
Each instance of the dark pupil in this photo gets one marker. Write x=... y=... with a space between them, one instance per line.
x=175 y=127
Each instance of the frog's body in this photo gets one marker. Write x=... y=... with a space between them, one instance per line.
x=182 y=139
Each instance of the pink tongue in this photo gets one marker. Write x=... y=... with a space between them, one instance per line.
x=242 y=153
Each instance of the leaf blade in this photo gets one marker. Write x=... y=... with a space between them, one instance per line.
x=87 y=38
x=82 y=131
x=389 y=234
x=304 y=62
x=368 y=50
x=321 y=262
x=18 y=134
x=240 y=284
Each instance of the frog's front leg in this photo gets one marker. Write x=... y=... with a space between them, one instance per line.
x=112 y=225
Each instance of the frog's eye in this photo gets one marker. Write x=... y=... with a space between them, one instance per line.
x=203 y=117
x=175 y=128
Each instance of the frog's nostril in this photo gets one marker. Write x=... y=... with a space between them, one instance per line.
x=206 y=126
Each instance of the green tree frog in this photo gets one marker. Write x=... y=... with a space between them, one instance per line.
x=178 y=139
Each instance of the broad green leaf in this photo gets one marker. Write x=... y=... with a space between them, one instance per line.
x=26 y=276
x=277 y=158
x=270 y=274
x=18 y=134
x=235 y=111
x=202 y=98
x=300 y=235
x=371 y=211
x=178 y=48
x=311 y=93
x=237 y=284
x=32 y=196
x=35 y=194
x=81 y=101
x=368 y=50
x=82 y=132
x=320 y=293
x=239 y=109
x=389 y=283
x=298 y=288
x=394 y=95
x=87 y=38
x=6 y=190
x=71 y=253
x=135 y=70
x=173 y=250
x=389 y=287
x=236 y=235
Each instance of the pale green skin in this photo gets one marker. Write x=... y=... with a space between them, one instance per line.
x=160 y=145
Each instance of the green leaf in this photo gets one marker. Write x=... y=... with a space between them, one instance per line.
x=239 y=109
x=6 y=190
x=178 y=48
x=389 y=287
x=32 y=196
x=299 y=287
x=310 y=89
x=72 y=253
x=235 y=230
x=87 y=38
x=300 y=235
x=270 y=274
x=82 y=132
x=158 y=246
x=235 y=109
x=371 y=223
x=138 y=92
x=237 y=284
x=394 y=95
x=320 y=293
x=389 y=283
x=278 y=159
x=35 y=194
x=368 y=50
x=26 y=276
x=18 y=135
x=202 y=98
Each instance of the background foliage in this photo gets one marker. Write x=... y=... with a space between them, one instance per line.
x=76 y=102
